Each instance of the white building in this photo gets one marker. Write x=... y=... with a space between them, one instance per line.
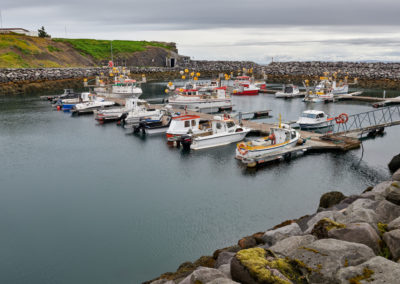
x=19 y=31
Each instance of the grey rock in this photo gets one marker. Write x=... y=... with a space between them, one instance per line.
x=224 y=258
x=273 y=236
x=362 y=203
x=326 y=256
x=387 y=211
x=395 y=224
x=392 y=240
x=333 y=215
x=393 y=193
x=223 y=281
x=226 y=269
x=286 y=246
x=361 y=215
x=396 y=175
x=380 y=188
x=384 y=272
x=361 y=233
x=331 y=198
x=394 y=164
x=205 y=275
x=163 y=281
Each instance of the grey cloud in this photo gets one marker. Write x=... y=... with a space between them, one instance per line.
x=207 y=14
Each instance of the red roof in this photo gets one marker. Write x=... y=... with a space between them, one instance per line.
x=186 y=117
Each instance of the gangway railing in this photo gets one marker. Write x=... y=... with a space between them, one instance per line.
x=366 y=121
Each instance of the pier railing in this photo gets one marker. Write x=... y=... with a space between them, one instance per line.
x=368 y=121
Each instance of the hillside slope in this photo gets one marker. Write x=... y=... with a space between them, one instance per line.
x=19 y=51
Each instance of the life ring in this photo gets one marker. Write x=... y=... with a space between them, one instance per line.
x=338 y=120
x=241 y=148
x=345 y=117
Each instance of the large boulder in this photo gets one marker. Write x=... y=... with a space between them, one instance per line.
x=332 y=215
x=326 y=256
x=286 y=246
x=392 y=240
x=257 y=265
x=377 y=270
x=387 y=211
x=359 y=215
x=378 y=191
x=396 y=175
x=273 y=236
x=163 y=281
x=331 y=198
x=361 y=233
x=393 y=193
x=226 y=269
x=203 y=275
x=394 y=164
x=224 y=257
x=322 y=228
x=395 y=224
x=223 y=281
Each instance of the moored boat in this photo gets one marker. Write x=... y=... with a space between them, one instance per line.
x=244 y=87
x=279 y=139
x=218 y=132
x=288 y=91
x=93 y=104
x=115 y=114
x=186 y=124
x=314 y=119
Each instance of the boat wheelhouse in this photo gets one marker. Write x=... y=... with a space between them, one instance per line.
x=288 y=91
x=314 y=119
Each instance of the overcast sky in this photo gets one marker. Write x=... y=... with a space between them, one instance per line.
x=254 y=30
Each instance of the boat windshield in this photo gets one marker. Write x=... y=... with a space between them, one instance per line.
x=288 y=89
x=308 y=115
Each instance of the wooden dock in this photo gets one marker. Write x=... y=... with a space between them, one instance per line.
x=313 y=141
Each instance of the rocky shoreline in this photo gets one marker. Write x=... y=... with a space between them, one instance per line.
x=370 y=75
x=350 y=239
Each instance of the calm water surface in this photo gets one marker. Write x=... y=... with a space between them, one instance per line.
x=83 y=203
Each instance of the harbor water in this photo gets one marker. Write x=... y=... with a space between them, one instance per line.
x=85 y=203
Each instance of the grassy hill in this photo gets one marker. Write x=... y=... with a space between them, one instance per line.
x=19 y=51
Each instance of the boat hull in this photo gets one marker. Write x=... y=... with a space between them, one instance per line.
x=262 y=152
x=246 y=93
x=218 y=140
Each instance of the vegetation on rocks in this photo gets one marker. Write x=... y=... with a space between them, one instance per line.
x=259 y=264
x=367 y=273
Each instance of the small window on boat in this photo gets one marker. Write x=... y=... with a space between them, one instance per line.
x=193 y=122
x=219 y=126
x=230 y=124
x=187 y=123
x=293 y=134
x=309 y=115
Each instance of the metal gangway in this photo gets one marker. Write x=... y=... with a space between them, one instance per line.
x=366 y=122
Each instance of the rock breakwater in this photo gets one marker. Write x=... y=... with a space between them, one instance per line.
x=350 y=239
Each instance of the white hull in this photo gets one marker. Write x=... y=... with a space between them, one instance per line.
x=202 y=106
x=313 y=125
x=218 y=139
x=258 y=153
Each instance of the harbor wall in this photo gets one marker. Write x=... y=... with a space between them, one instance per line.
x=370 y=75
x=348 y=239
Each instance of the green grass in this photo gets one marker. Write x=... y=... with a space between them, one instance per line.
x=101 y=49
x=11 y=60
x=52 y=48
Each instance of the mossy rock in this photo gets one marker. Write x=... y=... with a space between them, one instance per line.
x=257 y=265
x=330 y=199
x=323 y=226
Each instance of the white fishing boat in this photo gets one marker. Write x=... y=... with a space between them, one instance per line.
x=141 y=112
x=314 y=119
x=154 y=126
x=121 y=86
x=115 y=114
x=194 y=99
x=279 y=139
x=288 y=91
x=186 y=124
x=340 y=88
x=91 y=105
x=218 y=132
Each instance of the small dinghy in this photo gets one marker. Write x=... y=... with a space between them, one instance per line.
x=279 y=139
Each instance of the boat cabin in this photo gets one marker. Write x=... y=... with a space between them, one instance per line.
x=314 y=114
